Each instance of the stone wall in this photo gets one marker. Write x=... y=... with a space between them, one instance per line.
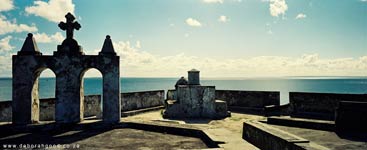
x=47 y=108
x=139 y=100
x=92 y=104
x=319 y=105
x=91 y=107
x=5 y=111
x=257 y=99
x=171 y=94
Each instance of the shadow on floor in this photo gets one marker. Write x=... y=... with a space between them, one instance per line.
x=360 y=137
x=49 y=133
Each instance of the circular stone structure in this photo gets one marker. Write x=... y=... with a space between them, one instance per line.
x=194 y=77
x=181 y=81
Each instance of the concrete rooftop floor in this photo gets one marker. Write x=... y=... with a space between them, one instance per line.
x=228 y=132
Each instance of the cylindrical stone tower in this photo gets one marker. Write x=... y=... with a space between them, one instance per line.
x=194 y=77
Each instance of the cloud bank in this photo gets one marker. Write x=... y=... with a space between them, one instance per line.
x=136 y=62
x=44 y=38
x=5 y=45
x=6 y=5
x=53 y=10
x=139 y=63
x=7 y=26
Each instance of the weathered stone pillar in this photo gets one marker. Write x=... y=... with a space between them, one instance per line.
x=111 y=96
x=111 y=82
x=25 y=105
x=68 y=99
x=25 y=102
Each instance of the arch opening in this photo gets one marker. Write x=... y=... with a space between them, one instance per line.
x=91 y=92
x=43 y=95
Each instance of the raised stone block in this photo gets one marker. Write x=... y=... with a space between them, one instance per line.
x=193 y=100
x=351 y=116
x=194 y=77
x=221 y=109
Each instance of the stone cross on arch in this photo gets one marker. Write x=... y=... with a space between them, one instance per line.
x=69 y=26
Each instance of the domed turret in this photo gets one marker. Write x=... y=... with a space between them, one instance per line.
x=181 y=81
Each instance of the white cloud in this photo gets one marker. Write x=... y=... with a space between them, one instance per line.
x=44 y=38
x=193 y=22
x=213 y=1
x=136 y=62
x=278 y=7
x=223 y=18
x=53 y=10
x=301 y=16
x=7 y=26
x=6 y=5
x=363 y=0
x=5 y=45
x=5 y=56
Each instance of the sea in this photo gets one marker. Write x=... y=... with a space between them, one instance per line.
x=352 y=85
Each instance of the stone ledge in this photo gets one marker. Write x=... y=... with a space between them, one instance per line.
x=247 y=110
x=267 y=137
x=302 y=123
x=139 y=111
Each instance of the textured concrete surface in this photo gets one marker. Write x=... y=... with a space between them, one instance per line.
x=329 y=139
x=227 y=132
x=123 y=138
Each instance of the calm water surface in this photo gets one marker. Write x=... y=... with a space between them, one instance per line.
x=355 y=85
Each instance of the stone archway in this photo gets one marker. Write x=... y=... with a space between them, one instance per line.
x=68 y=63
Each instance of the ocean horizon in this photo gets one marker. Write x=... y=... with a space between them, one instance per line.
x=320 y=84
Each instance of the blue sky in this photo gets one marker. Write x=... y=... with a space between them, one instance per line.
x=222 y=38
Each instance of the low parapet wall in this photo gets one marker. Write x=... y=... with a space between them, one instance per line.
x=319 y=105
x=92 y=104
x=47 y=108
x=139 y=100
x=257 y=99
